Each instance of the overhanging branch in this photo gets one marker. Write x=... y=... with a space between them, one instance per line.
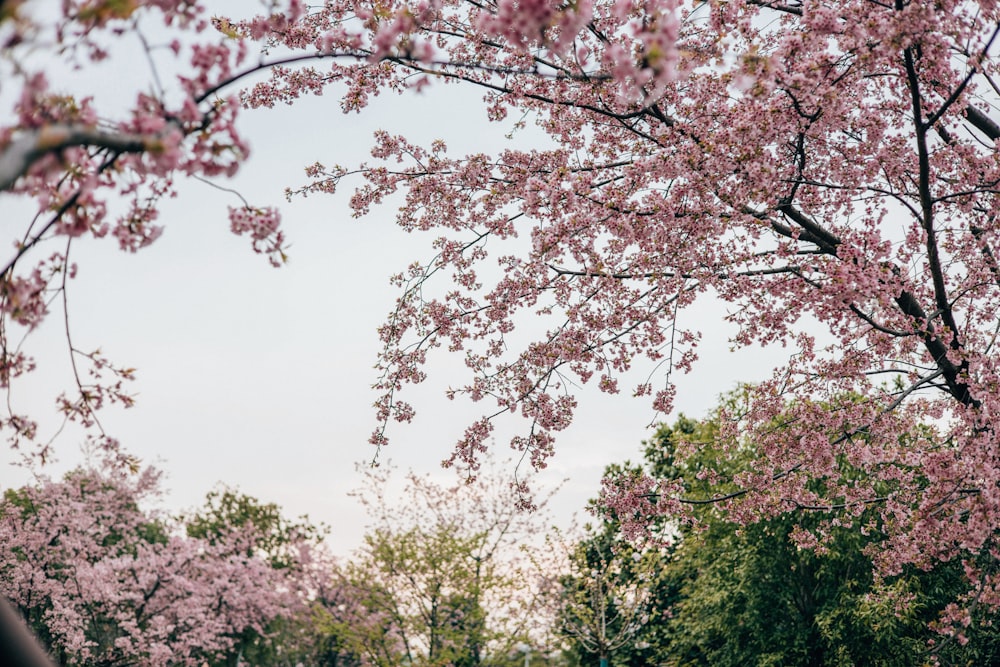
x=29 y=147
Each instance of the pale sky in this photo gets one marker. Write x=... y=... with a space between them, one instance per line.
x=260 y=377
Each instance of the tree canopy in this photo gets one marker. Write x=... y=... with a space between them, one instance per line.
x=446 y=575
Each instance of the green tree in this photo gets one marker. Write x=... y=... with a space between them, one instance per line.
x=635 y=633
x=761 y=594
x=443 y=577
x=796 y=588
x=612 y=599
x=275 y=536
x=421 y=585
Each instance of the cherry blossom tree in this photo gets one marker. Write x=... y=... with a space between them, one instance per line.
x=818 y=166
x=827 y=169
x=102 y=580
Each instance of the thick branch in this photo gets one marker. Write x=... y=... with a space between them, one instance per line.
x=965 y=82
x=936 y=347
x=982 y=122
x=826 y=240
x=794 y=8
x=939 y=352
x=17 y=158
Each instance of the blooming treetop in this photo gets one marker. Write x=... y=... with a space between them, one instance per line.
x=103 y=580
x=813 y=164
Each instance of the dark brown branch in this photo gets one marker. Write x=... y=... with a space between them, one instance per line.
x=794 y=9
x=26 y=245
x=814 y=232
x=951 y=373
x=878 y=327
x=28 y=147
x=593 y=273
x=835 y=506
x=909 y=305
x=965 y=82
x=982 y=122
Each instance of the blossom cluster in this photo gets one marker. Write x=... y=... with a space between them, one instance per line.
x=103 y=579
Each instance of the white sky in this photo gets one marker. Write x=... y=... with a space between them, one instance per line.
x=260 y=377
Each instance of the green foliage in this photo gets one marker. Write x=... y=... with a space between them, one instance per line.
x=446 y=576
x=227 y=510
x=19 y=500
x=750 y=595
x=737 y=595
x=328 y=637
x=426 y=586
x=616 y=601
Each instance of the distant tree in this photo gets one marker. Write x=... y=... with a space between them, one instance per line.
x=442 y=576
x=423 y=582
x=798 y=588
x=290 y=545
x=104 y=581
x=276 y=538
x=611 y=605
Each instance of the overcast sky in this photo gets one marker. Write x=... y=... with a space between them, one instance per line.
x=260 y=377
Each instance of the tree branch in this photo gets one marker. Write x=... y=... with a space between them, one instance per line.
x=21 y=153
x=982 y=122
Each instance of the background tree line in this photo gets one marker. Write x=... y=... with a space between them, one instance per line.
x=457 y=575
